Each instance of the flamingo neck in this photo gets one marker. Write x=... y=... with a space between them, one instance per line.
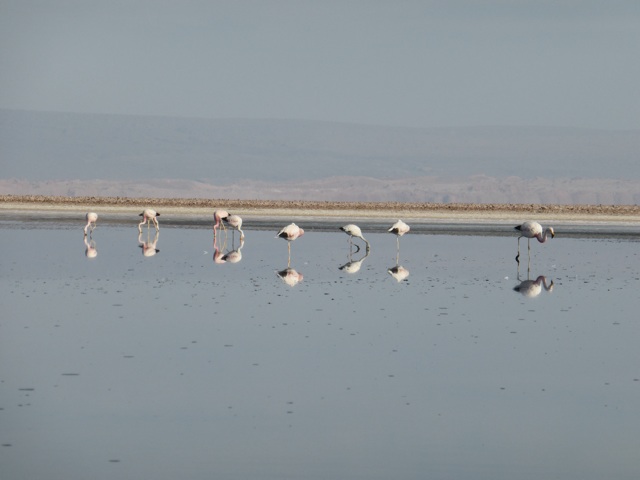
x=542 y=237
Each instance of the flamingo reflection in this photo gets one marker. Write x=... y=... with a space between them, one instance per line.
x=353 y=266
x=149 y=247
x=398 y=272
x=234 y=256
x=90 y=248
x=290 y=233
x=532 y=288
x=290 y=276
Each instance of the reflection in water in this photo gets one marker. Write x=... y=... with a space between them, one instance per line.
x=290 y=276
x=149 y=247
x=90 y=248
x=92 y=218
x=532 y=288
x=234 y=256
x=290 y=233
x=398 y=272
x=148 y=216
x=353 y=266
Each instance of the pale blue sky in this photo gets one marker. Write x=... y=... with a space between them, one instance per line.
x=405 y=63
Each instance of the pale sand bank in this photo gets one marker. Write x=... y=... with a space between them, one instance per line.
x=372 y=211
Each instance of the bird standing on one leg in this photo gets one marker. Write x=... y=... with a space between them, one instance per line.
x=290 y=233
x=530 y=229
x=399 y=229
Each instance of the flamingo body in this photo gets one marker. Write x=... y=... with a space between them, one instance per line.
x=399 y=273
x=354 y=231
x=92 y=218
x=235 y=222
x=149 y=215
x=290 y=232
x=290 y=276
x=399 y=228
x=531 y=229
x=219 y=215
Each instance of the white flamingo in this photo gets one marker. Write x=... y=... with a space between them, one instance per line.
x=399 y=229
x=290 y=233
x=148 y=216
x=92 y=218
x=530 y=229
x=354 y=231
x=235 y=222
x=353 y=266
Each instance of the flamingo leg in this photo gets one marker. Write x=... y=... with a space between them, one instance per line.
x=518 y=255
x=289 y=261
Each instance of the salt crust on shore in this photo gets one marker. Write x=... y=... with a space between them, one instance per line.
x=624 y=214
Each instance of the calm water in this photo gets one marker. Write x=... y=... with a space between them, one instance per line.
x=172 y=366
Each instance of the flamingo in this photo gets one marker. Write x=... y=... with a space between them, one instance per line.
x=530 y=229
x=399 y=229
x=532 y=288
x=290 y=233
x=235 y=221
x=148 y=216
x=353 y=266
x=219 y=215
x=354 y=231
x=91 y=218
x=218 y=256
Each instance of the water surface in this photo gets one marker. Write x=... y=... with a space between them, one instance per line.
x=174 y=366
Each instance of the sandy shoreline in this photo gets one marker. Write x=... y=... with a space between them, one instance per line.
x=620 y=214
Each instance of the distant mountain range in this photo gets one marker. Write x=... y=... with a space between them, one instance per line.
x=87 y=154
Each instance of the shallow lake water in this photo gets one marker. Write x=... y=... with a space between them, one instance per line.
x=173 y=366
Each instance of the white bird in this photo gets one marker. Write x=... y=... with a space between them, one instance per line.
x=290 y=233
x=91 y=218
x=354 y=231
x=530 y=229
x=532 y=288
x=235 y=222
x=353 y=266
x=399 y=229
x=148 y=216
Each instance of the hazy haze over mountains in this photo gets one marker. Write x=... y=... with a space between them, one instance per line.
x=91 y=154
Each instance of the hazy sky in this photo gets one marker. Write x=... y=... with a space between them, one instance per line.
x=410 y=63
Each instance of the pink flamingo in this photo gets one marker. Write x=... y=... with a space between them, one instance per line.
x=219 y=215
x=148 y=216
x=290 y=233
x=530 y=229
x=90 y=251
x=91 y=218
